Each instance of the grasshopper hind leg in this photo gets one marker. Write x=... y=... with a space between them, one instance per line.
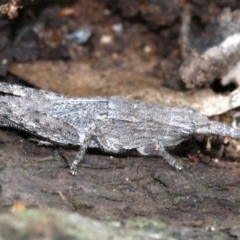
x=158 y=150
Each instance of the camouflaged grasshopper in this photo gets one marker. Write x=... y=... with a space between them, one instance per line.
x=113 y=124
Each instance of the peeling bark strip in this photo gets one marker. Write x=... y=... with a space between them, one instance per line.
x=113 y=124
x=212 y=63
x=215 y=53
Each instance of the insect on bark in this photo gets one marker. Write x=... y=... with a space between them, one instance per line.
x=113 y=124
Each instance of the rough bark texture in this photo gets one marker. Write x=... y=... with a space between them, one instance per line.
x=117 y=188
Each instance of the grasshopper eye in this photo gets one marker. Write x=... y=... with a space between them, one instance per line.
x=188 y=129
x=189 y=110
